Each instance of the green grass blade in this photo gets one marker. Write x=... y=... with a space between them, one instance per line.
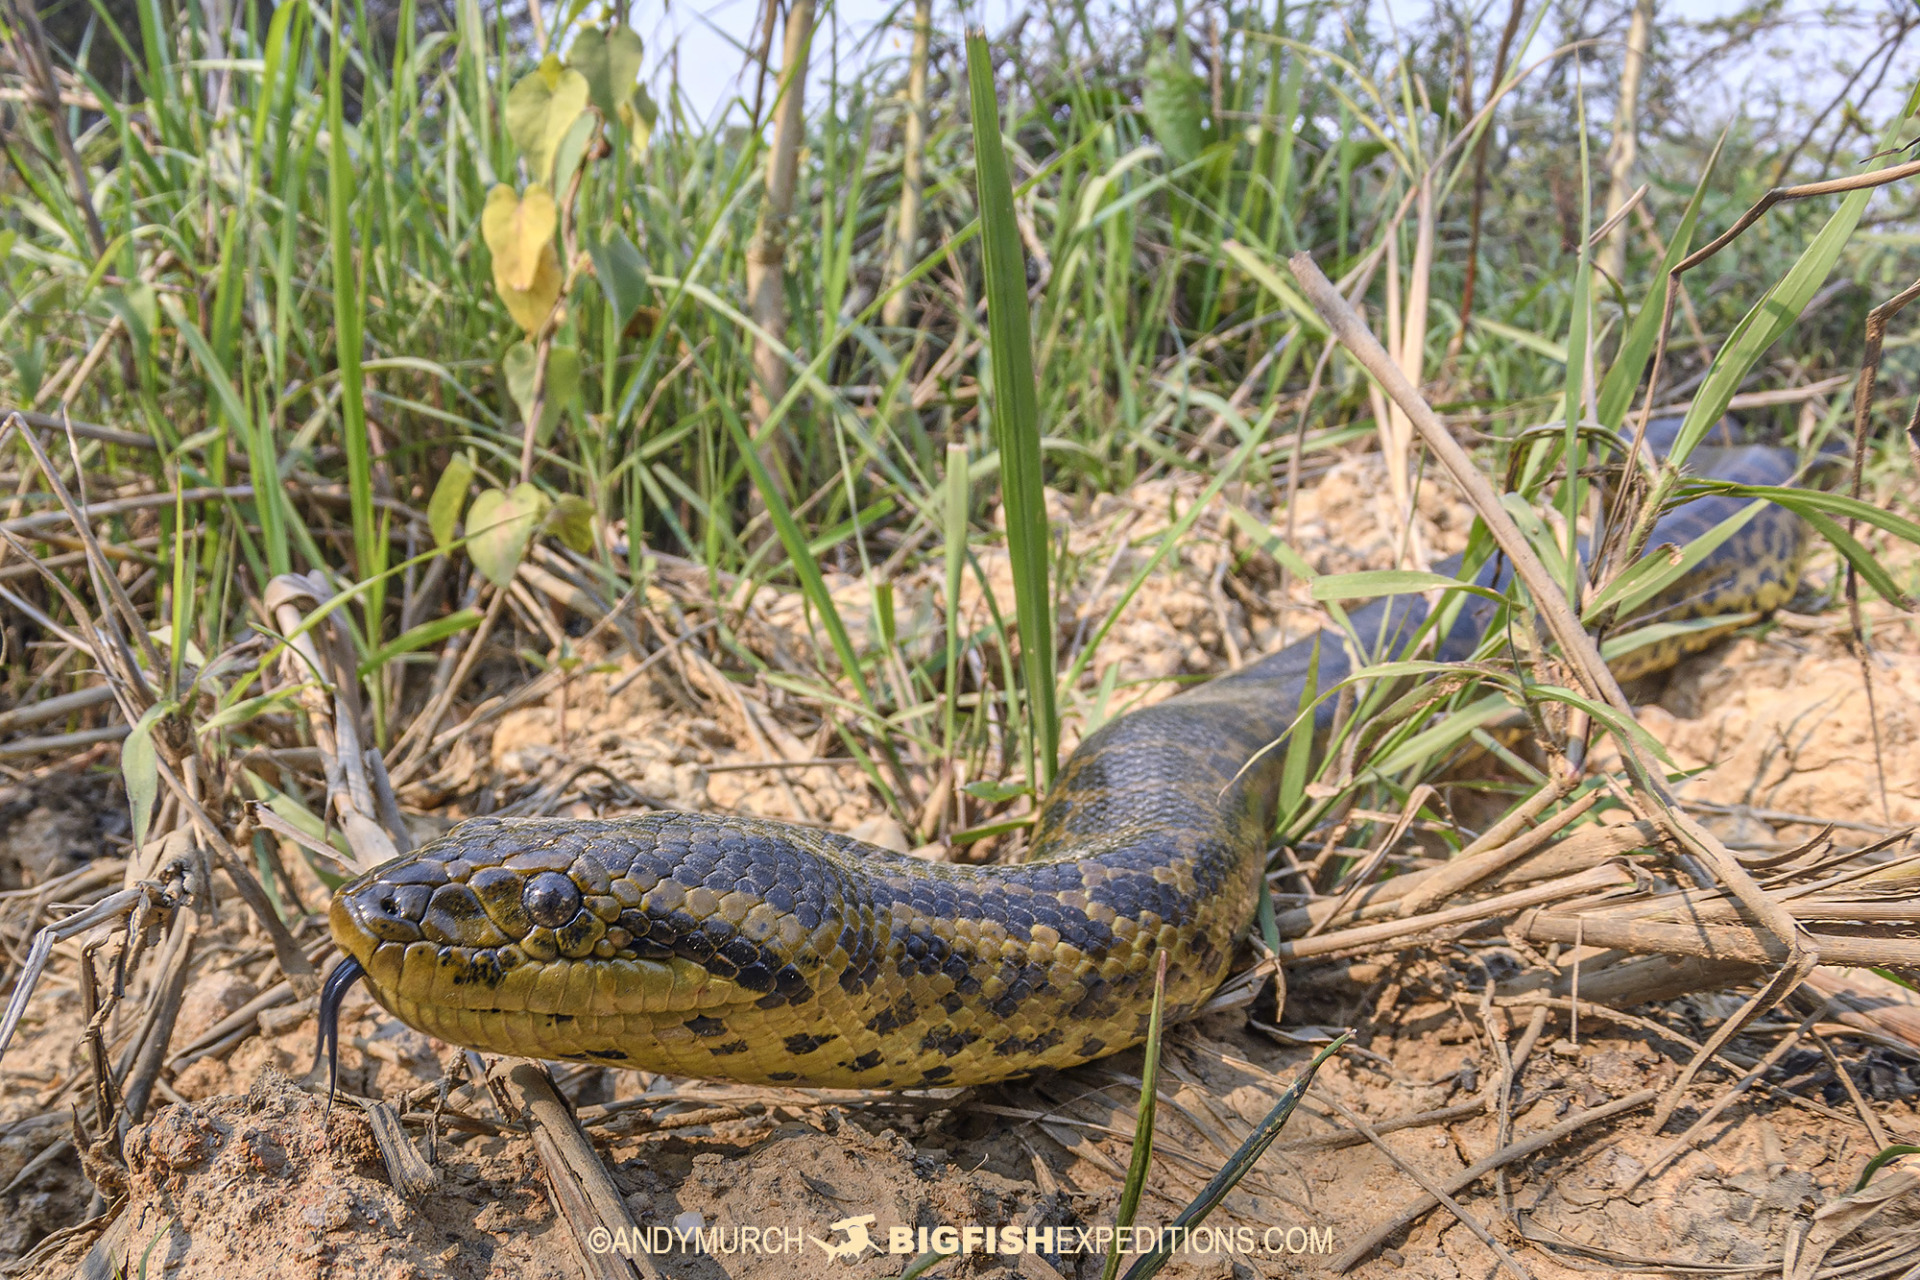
x=347 y=332
x=1240 y=1164
x=1623 y=376
x=1016 y=412
x=956 y=561
x=1143 y=1121
x=1771 y=317
x=1640 y=582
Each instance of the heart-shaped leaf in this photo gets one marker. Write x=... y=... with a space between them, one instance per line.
x=571 y=521
x=562 y=383
x=449 y=495
x=540 y=110
x=519 y=364
x=499 y=527
x=622 y=274
x=516 y=228
x=610 y=60
x=531 y=307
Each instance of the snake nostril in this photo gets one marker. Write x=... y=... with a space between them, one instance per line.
x=551 y=899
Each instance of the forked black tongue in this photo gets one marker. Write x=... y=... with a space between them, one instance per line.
x=344 y=975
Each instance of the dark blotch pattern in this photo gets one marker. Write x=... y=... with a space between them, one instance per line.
x=804 y=1043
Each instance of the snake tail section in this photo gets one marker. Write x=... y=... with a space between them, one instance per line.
x=753 y=950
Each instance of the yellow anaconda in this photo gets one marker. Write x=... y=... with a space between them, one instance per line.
x=715 y=946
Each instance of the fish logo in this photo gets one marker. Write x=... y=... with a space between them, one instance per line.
x=857 y=1241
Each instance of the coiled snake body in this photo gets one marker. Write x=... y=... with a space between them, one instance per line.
x=716 y=946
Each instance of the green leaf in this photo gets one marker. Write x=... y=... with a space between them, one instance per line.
x=1270 y=542
x=1293 y=769
x=499 y=527
x=520 y=364
x=1807 y=502
x=563 y=386
x=1616 y=392
x=1622 y=643
x=140 y=766
x=138 y=307
x=1238 y=1166
x=995 y=792
x=1142 y=1159
x=1544 y=544
x=610 y=61
x=1392 y=582
x=308 y=823
x=1274 y=283
x=572 y=150
x=1881 y=1160
x=1015 y=411
x=252 y=708
x=1760 y=328
x=622 y=274
x=1621 y=726
x=1863 y=560
x=1555 y=351
x=1174 y=101
x=794 y=540
x=419 y=638
x=571 y=520
x=449 y=496
x=540 y=110
x=1438 y=738
x=1657 y=570
x=562 y=383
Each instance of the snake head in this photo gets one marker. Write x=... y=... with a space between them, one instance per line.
x=565 y=939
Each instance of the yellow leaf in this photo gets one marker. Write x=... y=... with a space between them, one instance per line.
x=516 y=229
x=571 y=520
x=539 y=111
x=530 y=307
x=499 y=526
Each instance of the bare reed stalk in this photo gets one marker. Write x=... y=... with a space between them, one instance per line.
x=912 y=164
x=1625 y=148
x=766 y=256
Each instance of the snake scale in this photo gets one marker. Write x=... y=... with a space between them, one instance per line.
x=731 y=947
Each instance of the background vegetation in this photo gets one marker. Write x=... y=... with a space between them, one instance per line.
x=311 y=269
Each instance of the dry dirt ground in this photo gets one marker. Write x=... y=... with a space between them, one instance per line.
x=241 y=1170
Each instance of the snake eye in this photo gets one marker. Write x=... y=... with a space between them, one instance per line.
x=551 y=899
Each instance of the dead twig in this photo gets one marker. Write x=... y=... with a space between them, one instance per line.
x=1410 y=1213
x=582 y=1188
x=1438 y=1194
